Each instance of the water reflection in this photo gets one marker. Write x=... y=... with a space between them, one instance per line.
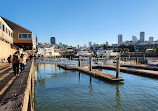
x=79 y=76
x=118 y=98
x=90 y=84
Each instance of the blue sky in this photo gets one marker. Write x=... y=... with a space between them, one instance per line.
x=79 y=21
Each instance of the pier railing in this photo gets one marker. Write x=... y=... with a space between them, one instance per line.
x=20 y=96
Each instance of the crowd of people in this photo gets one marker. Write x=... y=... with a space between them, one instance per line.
x=17 y=62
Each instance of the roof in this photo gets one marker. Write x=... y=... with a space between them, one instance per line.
x=13 y=25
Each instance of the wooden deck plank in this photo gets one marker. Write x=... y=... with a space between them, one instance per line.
x=93 y=72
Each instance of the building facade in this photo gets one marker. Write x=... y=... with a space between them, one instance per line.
x=6 y=41
x=12 y=38
x=134 y=39
x=151 y=39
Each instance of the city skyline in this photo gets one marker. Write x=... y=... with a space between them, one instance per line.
x=78 y=22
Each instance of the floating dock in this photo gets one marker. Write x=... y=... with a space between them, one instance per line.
x=93 y=73
x=137 y=70
x=146 y=67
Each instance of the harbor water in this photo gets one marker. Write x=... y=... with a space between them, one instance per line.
x=63 y=90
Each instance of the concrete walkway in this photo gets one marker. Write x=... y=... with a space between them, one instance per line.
x=6 y=79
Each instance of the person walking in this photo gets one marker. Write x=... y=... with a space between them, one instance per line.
x=22 y=62
x=9 y=60
x=15 y=62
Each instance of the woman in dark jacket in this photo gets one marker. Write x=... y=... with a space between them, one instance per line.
x=15 y=62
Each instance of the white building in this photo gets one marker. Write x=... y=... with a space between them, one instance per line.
x=34 y=43
x=151 y=39
x=134 y=39
x=48 y=51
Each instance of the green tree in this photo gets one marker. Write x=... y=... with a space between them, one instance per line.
x=105 y=47
x=131 y=48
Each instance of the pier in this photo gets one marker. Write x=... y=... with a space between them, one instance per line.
x=19 y=97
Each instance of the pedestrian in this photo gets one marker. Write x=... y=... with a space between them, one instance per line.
x=22 y=62
x=15 y=62
x=9 y=60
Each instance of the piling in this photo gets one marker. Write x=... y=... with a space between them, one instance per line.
x=118 y=66
x=90 y=63
x=79 y=61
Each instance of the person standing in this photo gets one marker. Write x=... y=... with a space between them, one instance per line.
x=22 y=62
x=9 y=60
x=15 y=62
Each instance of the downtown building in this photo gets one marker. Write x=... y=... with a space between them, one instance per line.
x=52 y=40
x=12 y=38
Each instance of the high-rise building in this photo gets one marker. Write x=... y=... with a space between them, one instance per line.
x=142 y=36
x=119 y=39
x=151 y=39
x=90 y=44
x=134 y=39
x=52 y=40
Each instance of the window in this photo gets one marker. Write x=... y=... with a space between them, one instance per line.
x=12 y=35
x=3 y=27
x=6 y=30
x=9 y=32
x=24 y=36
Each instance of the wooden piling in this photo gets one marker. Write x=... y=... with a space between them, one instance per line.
x=79 y=61
x=118 y=66
x=90 y=63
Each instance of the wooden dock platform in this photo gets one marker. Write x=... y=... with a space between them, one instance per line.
x=146 y=67
x=93 y=73
x=137 y=70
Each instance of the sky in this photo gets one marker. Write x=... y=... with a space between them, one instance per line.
x=76 y=22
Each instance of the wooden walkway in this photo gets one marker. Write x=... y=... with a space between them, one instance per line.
x=137 y=70
x=93 y=73
x=6 y=79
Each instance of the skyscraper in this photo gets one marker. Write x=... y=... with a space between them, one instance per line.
x=151 y=39
x=142 y=36
x=52 y=40
x=134 y=39
x=119 y=39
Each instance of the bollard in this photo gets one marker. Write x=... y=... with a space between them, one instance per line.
x=90 y=63
x=118 y=66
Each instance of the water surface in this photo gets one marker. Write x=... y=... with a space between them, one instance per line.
x=60 y=90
